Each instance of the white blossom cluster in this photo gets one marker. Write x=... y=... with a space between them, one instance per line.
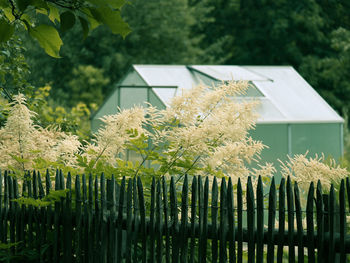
x=205 y=130
x=110 y=140
x=22 y=142
x=305 y=170
x=214 y=128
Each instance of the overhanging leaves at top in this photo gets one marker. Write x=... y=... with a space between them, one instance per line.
x=48 y=39
x=63 y=14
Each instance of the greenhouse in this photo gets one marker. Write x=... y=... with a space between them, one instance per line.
x=294 y=118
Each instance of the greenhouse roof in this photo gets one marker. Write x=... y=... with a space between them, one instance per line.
x=285 y=96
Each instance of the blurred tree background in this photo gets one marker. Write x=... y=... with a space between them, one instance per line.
x=313 y=36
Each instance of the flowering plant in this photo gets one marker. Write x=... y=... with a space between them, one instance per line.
x=205 y=131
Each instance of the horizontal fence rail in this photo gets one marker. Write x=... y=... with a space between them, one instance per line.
x=107 y=220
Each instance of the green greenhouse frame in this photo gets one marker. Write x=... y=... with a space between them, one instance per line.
x=293 y=118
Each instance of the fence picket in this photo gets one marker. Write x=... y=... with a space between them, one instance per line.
x=78 y=219
x=57 y=236
x=214 y=226
x=86 y=219
x=19 y=217
x=310 y=224
x=298 y=215
x=152 y=221
x=97 y=224
x=223 y=222
x=260 y=221
x=205 y=205
x=166 y=221
x=120 y=220
x=1 y=205
x=143 y=219
x=320 y=223
x=111 y=222
x=290 y=208
x=42 y=214
x=281 y=219
x=67 y=223
x=136 y=222
x=35 y=212
x=193 y=219
x=271 y=223
x=174 y=219
x=184 y=219
x=128 y=221
x=342 y=221
x=90 y=219
x=231 y=222
x=5 y=212
x=331 y=210
x=11 y=212
x=250 y=221
x=202 y=237
x=49 y=214
x=239 y=222
x=103 y=220
x=159 y=223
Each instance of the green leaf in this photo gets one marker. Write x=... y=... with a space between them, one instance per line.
x=112 y=19
x=54 y=14
x=39 y=4
x=8 y=13
x=67 y=21
x=19 y=159
x=8 y=245
x=4 y=3
x=6 y=30
x=93 y=22
x=85 y=26
x=22 y=4
x=41 y=11
x=116 y=4
x=48 y=39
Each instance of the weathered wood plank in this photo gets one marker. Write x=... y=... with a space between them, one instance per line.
x=239 y=222
x=320 y=223
x=231 y=222
x=184 y=220
x=271 y=223
x=193 y=219
x=214 y=225
x=310 y=224
x=250 y=221
x=298 y=215
x=260 y=222
x=290 y=208
x=281 y=219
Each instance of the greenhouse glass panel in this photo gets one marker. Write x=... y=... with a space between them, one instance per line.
x=165 y=94
x=133 y=79
x=110 y=106
x=95 y=125
x=275 y=136
x=132 y=96
x=317 y=138
x=155 y=100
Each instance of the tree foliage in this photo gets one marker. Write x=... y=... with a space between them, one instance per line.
x=284 y=32
x=161 y=34
x=61 y=16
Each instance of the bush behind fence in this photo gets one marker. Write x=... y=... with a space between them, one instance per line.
x=100 y=220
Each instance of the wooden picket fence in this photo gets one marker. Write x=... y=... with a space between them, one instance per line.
x=102 y=220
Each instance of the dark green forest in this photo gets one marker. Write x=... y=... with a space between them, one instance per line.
x=311 y=35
